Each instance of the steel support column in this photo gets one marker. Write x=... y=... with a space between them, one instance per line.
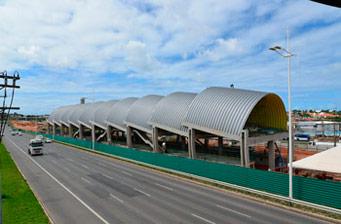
x=271 y=155
x=109 y=130
x=129 y=137
x=93 y=136
x=244 y=149
x=155 y=139
x=220 y=145
x=70 y=131
x=191 y=143
x=81 y=131
x=53 y=129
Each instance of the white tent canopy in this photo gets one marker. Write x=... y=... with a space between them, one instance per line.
x=327 y=161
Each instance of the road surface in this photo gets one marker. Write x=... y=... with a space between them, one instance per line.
x=80 y=187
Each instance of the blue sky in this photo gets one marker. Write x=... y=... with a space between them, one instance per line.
x=108 y=49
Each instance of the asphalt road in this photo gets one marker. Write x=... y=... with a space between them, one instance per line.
x=80 y=187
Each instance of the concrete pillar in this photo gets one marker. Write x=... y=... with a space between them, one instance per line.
x=271 y=155
x=93 y=136
x=109 y=130
x=70 y=131
x=244 y=149
x=155 y=138
x=129 y=137
x=53 y=130
x=65 y=130
x=191 y=144
x=81 y=131
x=220 y=145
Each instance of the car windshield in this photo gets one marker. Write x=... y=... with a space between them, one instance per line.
x=36 y=144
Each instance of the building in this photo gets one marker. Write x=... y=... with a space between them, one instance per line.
x=192 y=121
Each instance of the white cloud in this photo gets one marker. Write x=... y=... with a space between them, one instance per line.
x=70 y=45
x=223 y=48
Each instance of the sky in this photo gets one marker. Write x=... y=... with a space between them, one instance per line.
x=106 y=49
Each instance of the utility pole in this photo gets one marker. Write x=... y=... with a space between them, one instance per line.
x=7 y=87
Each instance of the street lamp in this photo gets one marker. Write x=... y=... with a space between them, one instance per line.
x=287 y=54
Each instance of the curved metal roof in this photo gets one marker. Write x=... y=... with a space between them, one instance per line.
x=76 y=113
x=88 y=113
x=65 y=114
x=102 y=113
x=59 y=112
x=118 y=113
x=141 y=111
x=53 y=115
x=171 y=111
x=225 y=111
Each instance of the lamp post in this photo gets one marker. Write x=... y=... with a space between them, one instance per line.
x=285 y=53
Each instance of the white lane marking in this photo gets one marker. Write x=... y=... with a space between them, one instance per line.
x=163 y=186
x=234 y=211
x=62 y=185
x=107 y=176
x=116 y=198
x=203 y=219
x=85 y=166
x=71 y=160
x=85 y=180
x=142 y=192
x=126 y=173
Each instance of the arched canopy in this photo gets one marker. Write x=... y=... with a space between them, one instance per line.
x=118 y=113
x=53 y=115
x=58 y=114
x=88 y=113
x=225 y=111
x=171 y=111
x=76 y=113
x=141 y=111
x=65 y=115
x=102 y=113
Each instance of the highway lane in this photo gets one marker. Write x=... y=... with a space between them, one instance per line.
x=105 y=190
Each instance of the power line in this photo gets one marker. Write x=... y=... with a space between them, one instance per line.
x=8 y=83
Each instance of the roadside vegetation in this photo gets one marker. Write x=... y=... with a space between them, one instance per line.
x=19 y=204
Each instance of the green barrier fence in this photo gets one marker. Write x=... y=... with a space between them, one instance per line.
x=322 y=192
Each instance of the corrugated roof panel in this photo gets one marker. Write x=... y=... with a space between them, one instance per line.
x=67 y=113
x=141 y=111
x=59 y=113
x=226 y=110
x=88 y=113
x=75 y=115
x=171 y=111
x=118 y=113
x=102 y=113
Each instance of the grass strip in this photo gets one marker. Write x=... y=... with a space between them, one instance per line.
x=19 y=205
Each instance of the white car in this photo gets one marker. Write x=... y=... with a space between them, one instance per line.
x=19 y=133
x=47 y=140
x=35 y=147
